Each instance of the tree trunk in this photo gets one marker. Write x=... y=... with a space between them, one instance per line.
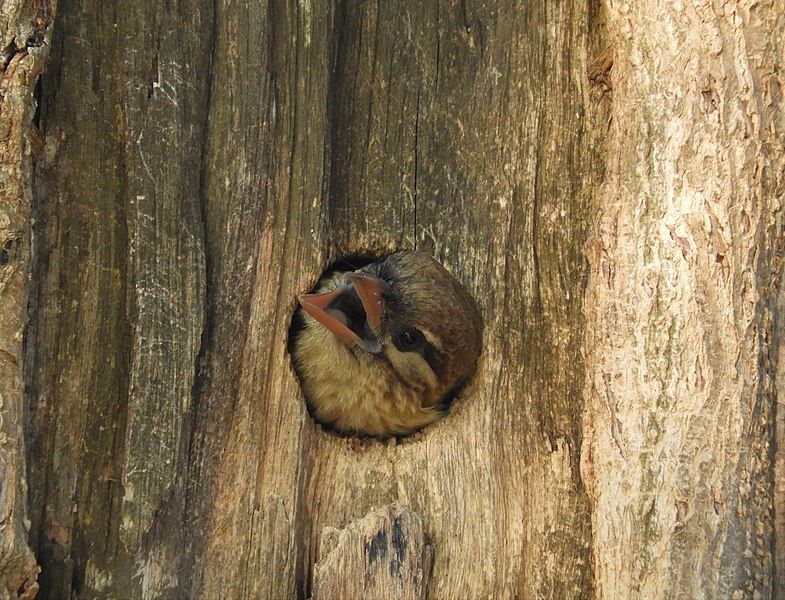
x=685 y=267
x=204 y=161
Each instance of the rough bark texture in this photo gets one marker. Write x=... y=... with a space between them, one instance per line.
x=23 y=34
x=778 y=339
x=685 y=266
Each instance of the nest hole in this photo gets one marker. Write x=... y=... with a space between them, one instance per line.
x=353 y=262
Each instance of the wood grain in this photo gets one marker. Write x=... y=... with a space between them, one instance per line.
x=204 y=161
x=196 y=178
x=119 y=292
x=383 y=555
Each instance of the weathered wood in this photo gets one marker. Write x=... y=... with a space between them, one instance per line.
x=330 y=130
x=204 y=161
x=778 y=345
x=384 y=555
x=453 y=105
x=685 y=266
x=24 y=37
x=265 y=205
x=119 y=295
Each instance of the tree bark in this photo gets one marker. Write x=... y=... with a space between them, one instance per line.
x=203 y=161
x=196 y=178
x=118 y=294
x=24 y=37
x=685 y=267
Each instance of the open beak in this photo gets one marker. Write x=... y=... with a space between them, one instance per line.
x=352 y=313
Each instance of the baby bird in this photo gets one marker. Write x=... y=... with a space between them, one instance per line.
x=383 y=347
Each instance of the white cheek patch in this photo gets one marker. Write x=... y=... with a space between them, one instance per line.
x=413 y=369
x=433 y=339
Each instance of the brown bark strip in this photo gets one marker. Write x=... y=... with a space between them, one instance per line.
x=778 y=343
x=18 y=568
x=265 y=204
x=679 y=420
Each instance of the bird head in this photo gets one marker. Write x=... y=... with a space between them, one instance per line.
x=404 y=316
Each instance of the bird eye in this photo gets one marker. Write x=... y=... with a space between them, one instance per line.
x=409 y=340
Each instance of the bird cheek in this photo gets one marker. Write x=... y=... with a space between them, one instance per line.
x=413 y=369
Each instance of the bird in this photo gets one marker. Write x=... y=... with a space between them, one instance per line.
x=382 y=349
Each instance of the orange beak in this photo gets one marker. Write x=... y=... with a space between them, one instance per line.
x=352 y=313
x=370 y=288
